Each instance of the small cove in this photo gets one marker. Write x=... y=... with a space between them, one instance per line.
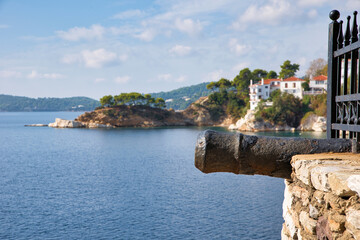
x=129 y=183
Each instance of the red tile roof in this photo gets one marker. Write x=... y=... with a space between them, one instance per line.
x=293 y=79
x=320 y=78
x=268 y=81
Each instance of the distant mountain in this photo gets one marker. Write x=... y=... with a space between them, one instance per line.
x=10 y=103
x=177 y=99
x=181 y=98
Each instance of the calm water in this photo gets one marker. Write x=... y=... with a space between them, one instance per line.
x=123 y=184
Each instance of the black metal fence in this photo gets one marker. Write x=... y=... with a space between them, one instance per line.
x=343 y=100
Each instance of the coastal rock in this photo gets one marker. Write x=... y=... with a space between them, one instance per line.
x=249 y=123
x=62 y=123
x=313 y=123
x=197 y=114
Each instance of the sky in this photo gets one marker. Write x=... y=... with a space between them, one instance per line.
x=95 y=48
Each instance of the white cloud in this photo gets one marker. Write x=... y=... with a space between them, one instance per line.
x=95 y=59
x=98 y=58
x=169 y=78
x=311 y=3
x=189 y=26
x=122 y=80
x=214 y=76
x=271 y=14
x=146 y=35
x=129 y=14
x=352 y=4
x=71 y=58
x=10 y=74
x=181 y=79
x=238 y=49
x=164 y=77
x=238 y=67
x=98 y=80
x=35 y=75
x=312 y=13
x=78 y=33
x=180 y=50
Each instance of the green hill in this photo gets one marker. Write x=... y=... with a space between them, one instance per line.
x=10 y=103
x=181 y=98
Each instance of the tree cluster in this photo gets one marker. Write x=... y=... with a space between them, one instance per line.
x=131 y=99
x=286 y=109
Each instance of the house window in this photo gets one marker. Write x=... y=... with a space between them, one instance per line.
x=286 y=86
x=294 y=85
x=318 y=82
x=259 y=97
x=259 y=89
x=294 y=91
x=267 y=94
x=266 y=86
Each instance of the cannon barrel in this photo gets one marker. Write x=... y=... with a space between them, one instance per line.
x=243 y=154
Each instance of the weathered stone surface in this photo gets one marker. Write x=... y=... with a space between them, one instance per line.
x=319 y=196
x=301 y=169
x=353 y=182
x=313 y=212
x=287 y=205
x=320 y=176
x=353 y=217
x=329 y=196
x=308 y=223
x=302 y=194
x=353 y=222
x=339 y=185
x=336 y=222
x=323 y=229
x=285 y=234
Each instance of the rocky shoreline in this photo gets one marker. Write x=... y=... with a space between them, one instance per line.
x=196 y=114
x=249 y=123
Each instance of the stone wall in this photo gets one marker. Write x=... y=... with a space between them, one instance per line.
x=321 y=201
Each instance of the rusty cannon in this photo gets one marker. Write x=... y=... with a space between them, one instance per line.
x=243 y=154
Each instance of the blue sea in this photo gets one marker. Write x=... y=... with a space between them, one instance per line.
x=128 y=183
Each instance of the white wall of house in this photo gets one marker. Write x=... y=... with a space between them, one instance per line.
x=258 y=92
x=292 y=87
x=315 y=84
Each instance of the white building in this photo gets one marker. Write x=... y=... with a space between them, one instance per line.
x=318 y=84
x=262 y=90
x=292 y=85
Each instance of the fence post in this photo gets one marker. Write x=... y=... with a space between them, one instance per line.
x=332 y=73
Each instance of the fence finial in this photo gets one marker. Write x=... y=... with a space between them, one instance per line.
x=341 y=36
x=347 y=32
x=354 y=30
x=334 y=15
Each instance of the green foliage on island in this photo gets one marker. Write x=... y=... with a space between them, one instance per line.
x=286 y=109
x=288 y=69
x=316 y=104
x=181 y=98
x=232 y=97
x=132 y=99
x=10 y=103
